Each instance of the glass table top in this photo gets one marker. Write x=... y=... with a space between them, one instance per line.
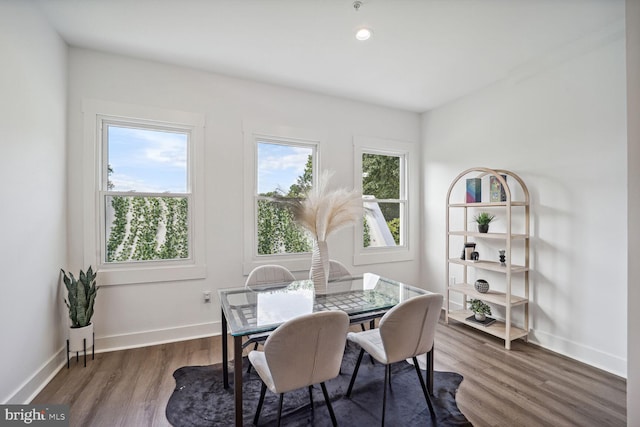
x=262 y=308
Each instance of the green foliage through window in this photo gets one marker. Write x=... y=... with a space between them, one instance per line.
x=366 y=236
x=147 y=228
x=394 y=227
x=277 y=231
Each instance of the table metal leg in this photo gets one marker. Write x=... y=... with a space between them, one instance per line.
x=237 y=378
x=225 y=357
x=430 y=371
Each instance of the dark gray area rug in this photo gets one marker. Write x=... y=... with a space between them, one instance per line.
x=200 y=399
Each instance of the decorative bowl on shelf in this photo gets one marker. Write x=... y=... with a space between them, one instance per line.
x=481 y=286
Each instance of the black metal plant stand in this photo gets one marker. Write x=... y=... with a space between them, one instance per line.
x=84 y=345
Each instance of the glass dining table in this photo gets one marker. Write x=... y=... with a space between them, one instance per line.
x=262 y=308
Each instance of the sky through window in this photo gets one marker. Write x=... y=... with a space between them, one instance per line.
x=144 y=160
x=280 y=165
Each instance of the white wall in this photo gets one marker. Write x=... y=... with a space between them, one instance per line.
x=633 y=155
x=140 y=314
x=560 y=123
x=32 y=171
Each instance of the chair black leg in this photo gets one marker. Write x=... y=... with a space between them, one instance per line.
x=362 y=326
x=424 y=387
x=355 y=372
x=260 y=402
x=326 y=399
x=280 y=408
x=387 y=371
x=255 y=346
x=311 y=396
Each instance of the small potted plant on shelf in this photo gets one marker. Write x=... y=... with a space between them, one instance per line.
x=81 y=296
x=483 y=219
x=480 y=309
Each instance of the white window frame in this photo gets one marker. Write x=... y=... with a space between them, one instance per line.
x=409 y=200
x=261 y=132
x=98 y=113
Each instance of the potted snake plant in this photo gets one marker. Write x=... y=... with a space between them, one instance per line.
x=81 y=296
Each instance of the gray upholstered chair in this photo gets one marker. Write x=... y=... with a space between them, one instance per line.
x=263 y=275
x=303 y=351
x=404 y=332
x=270 y=273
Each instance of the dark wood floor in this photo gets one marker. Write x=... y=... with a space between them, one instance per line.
x=526 y=386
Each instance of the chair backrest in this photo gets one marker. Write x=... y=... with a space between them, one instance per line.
x=408 y=329
x=270 y=273
x=307 y=349
x=337 y=270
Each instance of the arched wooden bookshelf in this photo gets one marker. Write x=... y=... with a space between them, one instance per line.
x=508 y=295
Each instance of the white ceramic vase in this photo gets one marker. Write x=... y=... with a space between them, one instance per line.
x=77 y=337
x=320 y=266
x=481 y=317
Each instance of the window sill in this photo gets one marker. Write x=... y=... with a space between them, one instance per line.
x=382 y=255
x=150 y=274
x=292 y=263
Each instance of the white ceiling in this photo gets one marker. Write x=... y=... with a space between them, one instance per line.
x=423 y=53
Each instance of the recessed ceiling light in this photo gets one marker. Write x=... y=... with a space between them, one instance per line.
x=363 y=34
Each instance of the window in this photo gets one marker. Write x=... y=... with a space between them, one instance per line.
x=383 y=172
x=146 y=187
x=284 y=171
x=280 y=165
x=384 y=200
x=145 y=192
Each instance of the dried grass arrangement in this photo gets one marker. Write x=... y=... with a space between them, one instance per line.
x=322 y=212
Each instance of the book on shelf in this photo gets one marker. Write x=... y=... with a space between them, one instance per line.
x=486 y=322
x=474 y=190
x=496 y=191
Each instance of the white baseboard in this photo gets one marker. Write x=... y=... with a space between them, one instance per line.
x=155 y=337
x=585 y=354
x=34 y=385
x=573 y=350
